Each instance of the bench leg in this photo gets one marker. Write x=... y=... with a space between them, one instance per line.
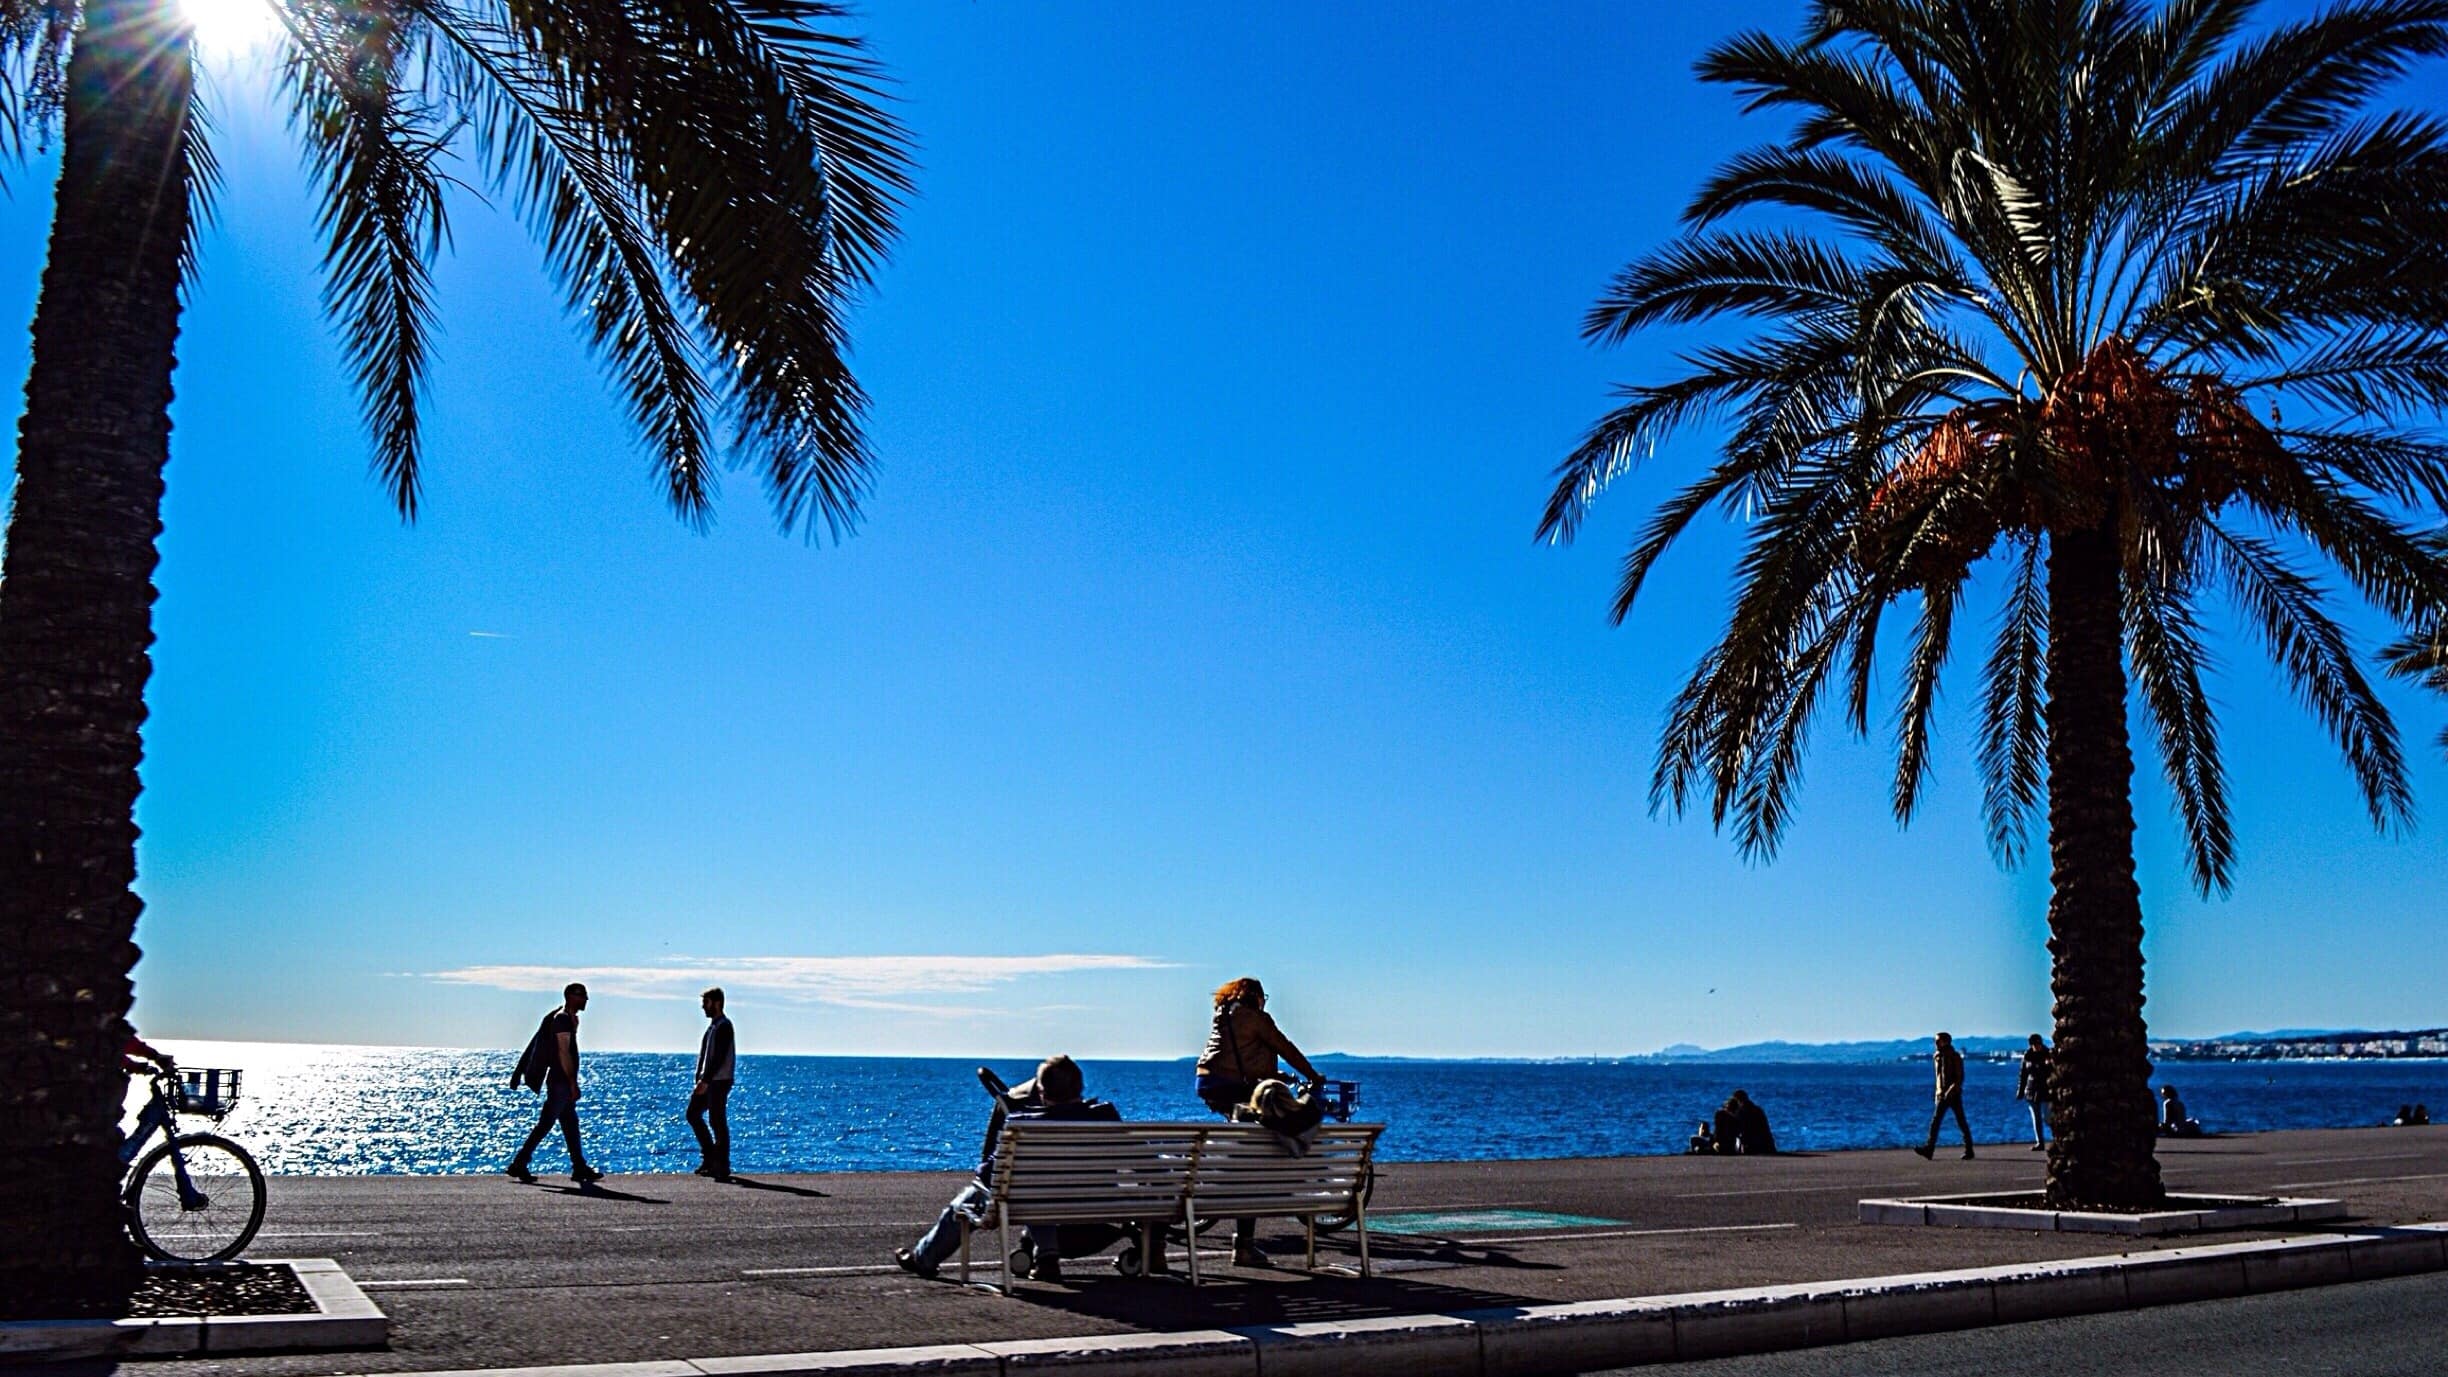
x=966 y=1230
x=1309 y=1260
x=1004 y=1223
x=1360 y=1222
x=1190 y=1243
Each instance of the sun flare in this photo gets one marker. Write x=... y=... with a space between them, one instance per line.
x=230 y=28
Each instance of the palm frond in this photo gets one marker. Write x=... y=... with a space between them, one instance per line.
x=374 y=148
x=2013 y=728
x=2318 y=660
x=2163 y=644
x=1933 y=640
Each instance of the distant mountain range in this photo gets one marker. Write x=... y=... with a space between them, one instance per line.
x=2290 y=1044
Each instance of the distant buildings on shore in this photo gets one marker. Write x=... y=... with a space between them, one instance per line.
x=2431 y=1042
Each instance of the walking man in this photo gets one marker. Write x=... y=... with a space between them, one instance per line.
x=711 y=1097
x=1949 y=1064
x=2032 y=1088
x=556 y=1045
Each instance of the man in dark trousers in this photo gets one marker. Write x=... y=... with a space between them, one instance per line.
x=556 y=1046
x=711 y=1096
x=1948 y=1063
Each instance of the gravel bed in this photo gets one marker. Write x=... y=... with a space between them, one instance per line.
x=231 y=1288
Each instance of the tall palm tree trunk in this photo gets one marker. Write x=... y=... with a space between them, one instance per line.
x=2100 y=1108
x=76 y=608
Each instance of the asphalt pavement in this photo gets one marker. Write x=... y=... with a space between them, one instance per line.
x=2396 y=1328
x=486 y=1272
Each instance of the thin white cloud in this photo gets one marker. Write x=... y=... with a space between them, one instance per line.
x=490 y=635
x=860 y=982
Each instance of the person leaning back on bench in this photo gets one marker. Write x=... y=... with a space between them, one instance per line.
x=1056 y=1094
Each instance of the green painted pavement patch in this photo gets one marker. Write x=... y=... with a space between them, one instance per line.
x=1481 y=1221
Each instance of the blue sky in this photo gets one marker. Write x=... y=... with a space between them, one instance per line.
x=1195 y=627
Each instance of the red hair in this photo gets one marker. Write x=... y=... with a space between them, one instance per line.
x=1246 y=989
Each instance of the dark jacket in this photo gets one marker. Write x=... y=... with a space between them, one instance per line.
x=1075 y=1111
x=716 y=1058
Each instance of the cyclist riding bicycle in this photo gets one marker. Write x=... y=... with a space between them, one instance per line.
x=141 y=1058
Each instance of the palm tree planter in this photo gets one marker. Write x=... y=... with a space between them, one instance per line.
x=2062 y=263
x=711 y=181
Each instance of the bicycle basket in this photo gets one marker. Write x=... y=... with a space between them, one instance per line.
x=211 y=1091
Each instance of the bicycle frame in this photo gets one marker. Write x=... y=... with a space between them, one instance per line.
x=160 y=1115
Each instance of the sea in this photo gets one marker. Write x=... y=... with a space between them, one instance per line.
x=351 y=1111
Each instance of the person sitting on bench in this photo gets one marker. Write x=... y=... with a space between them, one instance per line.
x=1056 y=1093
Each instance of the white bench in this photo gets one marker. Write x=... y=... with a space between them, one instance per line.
x=1156 y=1174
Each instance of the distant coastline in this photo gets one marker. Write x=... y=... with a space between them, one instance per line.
x=2292 y=1044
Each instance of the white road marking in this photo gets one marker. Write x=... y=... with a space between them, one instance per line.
x=420 y=1281
x=1799 y=1190
x=2356 y=1181
x=319 y=1233
x=1466 y=1240
x=867 y=1269
x=2331 y=1161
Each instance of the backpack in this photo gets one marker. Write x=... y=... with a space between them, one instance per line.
x=542 y=1050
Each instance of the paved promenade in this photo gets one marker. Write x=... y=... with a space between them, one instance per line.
x=484 y=1272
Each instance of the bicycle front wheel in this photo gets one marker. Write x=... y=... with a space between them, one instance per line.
x=212 y=1216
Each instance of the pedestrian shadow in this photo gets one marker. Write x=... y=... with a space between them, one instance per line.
x=596 y=1190
x=808 y=1191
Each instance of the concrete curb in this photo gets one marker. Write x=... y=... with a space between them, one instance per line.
x=343 y=1318
x=1528 y=1341
x=2231 y=1212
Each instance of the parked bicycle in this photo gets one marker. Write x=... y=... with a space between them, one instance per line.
x=1340 y=1098
x=198 y=1197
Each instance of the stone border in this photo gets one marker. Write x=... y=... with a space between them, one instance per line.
x=1529 y=1341
x=343 y=1318
x=2233 y=1212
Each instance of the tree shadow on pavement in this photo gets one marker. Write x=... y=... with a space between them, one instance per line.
x=1228 y=1299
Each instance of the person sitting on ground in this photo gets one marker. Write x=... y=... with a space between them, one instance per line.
x=2173 y=1122
x=1751 y=1126
x=1703 y=1140
x=1056 y=1093
x=2422 y=1116
x=1728 y=1123
x=2405 y=1117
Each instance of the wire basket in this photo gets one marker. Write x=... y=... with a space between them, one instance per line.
x=210 y=1091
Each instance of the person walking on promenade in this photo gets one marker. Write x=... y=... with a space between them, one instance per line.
x=710 y=1099
x=1949 y=1065
x=1242 y=1045
x=556 y=1046
x=2032 y=1088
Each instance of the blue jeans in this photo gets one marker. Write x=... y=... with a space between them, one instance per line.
x=560 y=1107
x=942 y=1241
x=148 y=1119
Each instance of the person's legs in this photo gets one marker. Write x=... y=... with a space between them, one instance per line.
x=1937 y=1117
x=2039 y=1113
x=943 y=1240
x=718 y=1109
x=699 y=1100
x=567 y=1113
x=1961 y=1122
x=545 y=1119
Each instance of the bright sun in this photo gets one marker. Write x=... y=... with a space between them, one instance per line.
x=231 y=28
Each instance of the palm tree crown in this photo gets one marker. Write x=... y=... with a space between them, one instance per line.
x=2067 y=263
x=2134 y=308
x=712 y=183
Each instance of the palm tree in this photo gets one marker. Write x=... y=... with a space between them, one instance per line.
x=712 y=182
x=2117 y=303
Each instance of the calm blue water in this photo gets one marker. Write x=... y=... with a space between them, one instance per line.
x=359 y=1110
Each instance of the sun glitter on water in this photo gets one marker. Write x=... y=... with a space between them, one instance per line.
x=231 y=28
